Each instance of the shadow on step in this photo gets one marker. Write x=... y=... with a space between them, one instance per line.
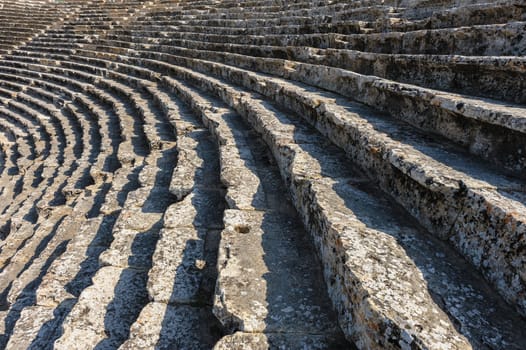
x=453 y=285
x=52 y=329
x=27 y=297
x=271 y=290
x=299 y=313
x=131 y=293
x=188 y=321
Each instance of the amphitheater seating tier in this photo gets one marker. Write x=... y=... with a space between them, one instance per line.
x=220 y=174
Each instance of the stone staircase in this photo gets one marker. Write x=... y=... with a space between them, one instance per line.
x=309 y=174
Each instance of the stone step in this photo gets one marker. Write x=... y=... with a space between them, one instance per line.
x=270 y=10
x=495 y=193
x=58 y=122
x=352 y=192
x=123 y=312
x=102 y=138
x=392 y=185
x=127 y=260
x=36 y=256
x=254 y=304
x=59 y=285
x=129 y=126
x=38 y=135
x=467 y=15
x=165 y=326
x=431 y=110
x=40 y=324
x=344 y=27
x=497 y=77
x=477 y=14
x=420 y=159
x=181 y=262
x=114 y=127
x=261 y=341
x=20 y=140
x=16 y=156
x=24 y=206
x=83 y=127
x=26 y=146
x=493 y=40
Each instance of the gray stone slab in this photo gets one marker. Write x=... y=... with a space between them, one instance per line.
x=263 y=341
x=178 y=264
x=165 y=327
x=268 y=279
x=201 y=205
x=104 y=310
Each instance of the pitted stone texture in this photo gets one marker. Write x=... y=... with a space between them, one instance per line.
x=430 y=190
x=413 y=282
x=492 y=233
x=308 y=187
x=202 y=207
x=263 y=286
x=103 y=309
x=452 y=115
x=261 y=341
x=386 y=290
x=240 y=175
x=32 y=317
x=178 y=262
x=238 y=169
x=166 y=327
x=484 y=221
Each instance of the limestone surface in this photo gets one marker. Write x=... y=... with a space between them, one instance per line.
x=262 y=174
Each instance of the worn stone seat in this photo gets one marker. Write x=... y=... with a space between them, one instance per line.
x=128 y=71
x=470 y=15
x=81 y=167
x=262 y=174
x=328 y=130
x=442 y=72
x=408 y=113
x=61 y=236
x=471 y=41
x=363 y=341
x=16 y=153
x=59 y=152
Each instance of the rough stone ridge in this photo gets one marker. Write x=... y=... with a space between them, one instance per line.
x=264 y=174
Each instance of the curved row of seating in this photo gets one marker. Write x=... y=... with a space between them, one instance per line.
x=164 y=163
x=23 y=20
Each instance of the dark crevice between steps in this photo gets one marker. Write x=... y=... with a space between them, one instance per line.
x=52 y=329
x=138 y=139
x=27 y=297
x=207 y=180
x=130 y=294
x=18 y=187
x=38 y=176
x=99 y=201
